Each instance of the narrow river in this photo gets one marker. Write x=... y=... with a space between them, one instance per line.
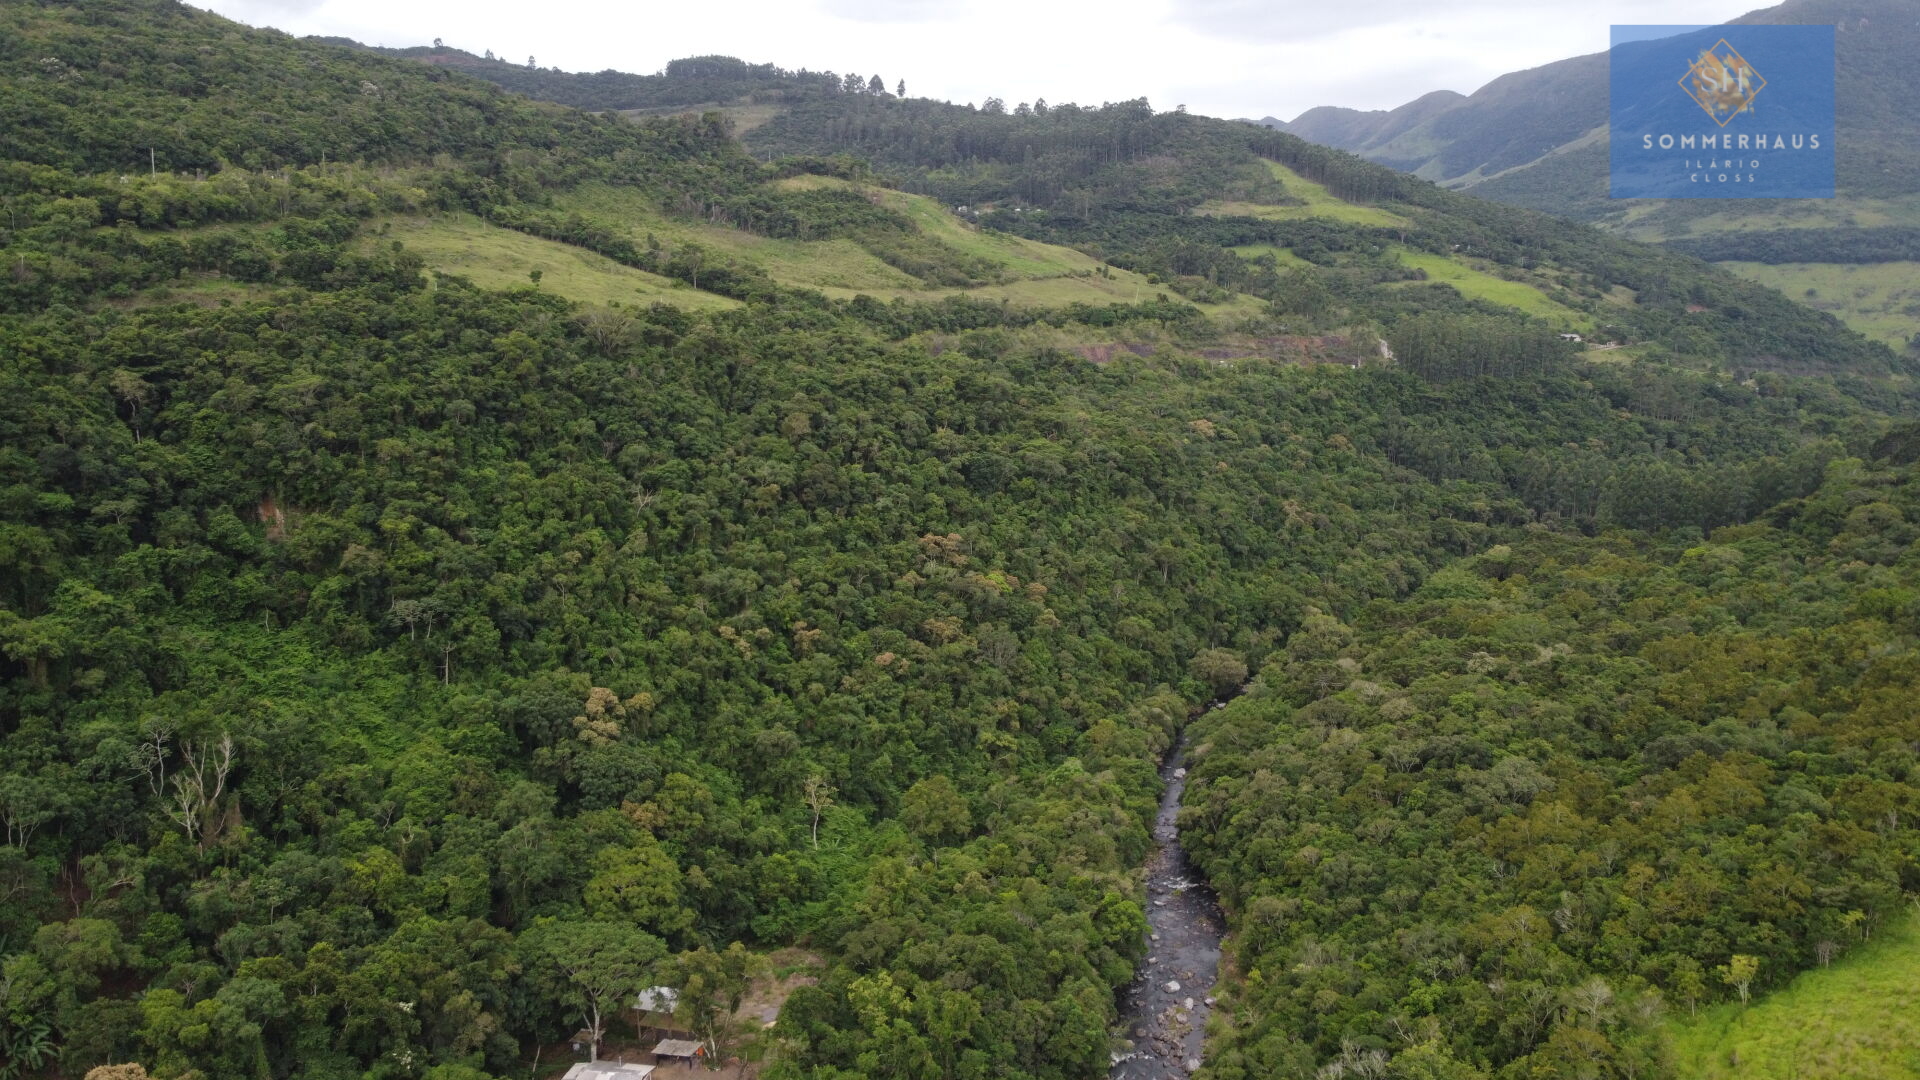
x=1164 y=1011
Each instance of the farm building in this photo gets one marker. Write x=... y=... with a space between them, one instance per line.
x=685 y=1049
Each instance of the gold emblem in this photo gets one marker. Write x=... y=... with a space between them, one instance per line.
x=1723 y=83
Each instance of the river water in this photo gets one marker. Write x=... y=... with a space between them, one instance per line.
x=1164 y=1010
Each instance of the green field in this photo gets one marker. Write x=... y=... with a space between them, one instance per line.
x=1319 y=202
x=827 y=265
x=497 y=258
x=1656 y=221
x=1857 y=1020
x=1033 y=273
x=1881 y=300
x=1018 y=256
x=1480 y=285
x=200 y=290
x=1284 y=257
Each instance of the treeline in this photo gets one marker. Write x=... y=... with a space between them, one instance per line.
x=317 y=253
x=1347 y=176
x=1876 y=245
x=1063 y=156
x=683 y=83
x=174 y=74
x=691 y=81
x=1444 y=347
x=1568 y=787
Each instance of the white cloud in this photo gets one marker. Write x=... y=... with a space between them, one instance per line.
x=895 y=11
x=1219 y=57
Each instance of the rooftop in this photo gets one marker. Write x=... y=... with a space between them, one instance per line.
x=607 y=1070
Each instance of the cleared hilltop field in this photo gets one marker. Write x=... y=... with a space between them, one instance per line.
x=1856 y=1020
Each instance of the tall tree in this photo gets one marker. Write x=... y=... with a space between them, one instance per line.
x=592 y=967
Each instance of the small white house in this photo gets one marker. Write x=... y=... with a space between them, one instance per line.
x=607 y=1070
x=1569 y=337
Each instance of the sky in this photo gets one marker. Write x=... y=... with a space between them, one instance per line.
x=1231 y=58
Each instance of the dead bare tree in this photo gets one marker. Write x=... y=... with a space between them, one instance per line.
x=198 y=786
x=149 y=758
x=818 y=795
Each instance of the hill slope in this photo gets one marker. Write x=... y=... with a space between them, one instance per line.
x=1570 y=786
x=1102 y=180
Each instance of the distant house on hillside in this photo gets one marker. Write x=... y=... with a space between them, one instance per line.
x=1570 y=337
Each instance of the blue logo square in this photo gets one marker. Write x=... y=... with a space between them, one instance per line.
x=1721 y=112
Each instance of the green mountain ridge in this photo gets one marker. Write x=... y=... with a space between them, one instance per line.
x=1089 y=169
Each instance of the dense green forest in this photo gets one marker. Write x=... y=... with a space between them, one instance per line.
x=400 y=675
x=1568 y=785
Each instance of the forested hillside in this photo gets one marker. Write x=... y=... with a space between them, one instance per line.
x=685 y=83
x=401 y=674
x=1569 y=786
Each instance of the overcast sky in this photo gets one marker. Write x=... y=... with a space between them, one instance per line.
x=1228 y=58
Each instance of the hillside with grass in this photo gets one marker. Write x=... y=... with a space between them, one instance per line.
x=1853 y=1017
x=1097 y=180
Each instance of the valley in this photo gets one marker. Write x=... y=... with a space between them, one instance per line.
x=1163 y=1014
x=488 y=548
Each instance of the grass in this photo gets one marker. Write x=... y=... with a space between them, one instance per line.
x=745 y=117
x=1016 y=255
x=1856 y=1020
x=497 y=258
x=1317 y=202
x=1033 y=274
x=1658 y=220
x=815 y=264
x=1479 y=285
x=200 y=290
x=1881 y=300
x=1283 y=257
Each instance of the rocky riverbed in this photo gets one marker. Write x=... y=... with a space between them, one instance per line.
x=1165 y=1009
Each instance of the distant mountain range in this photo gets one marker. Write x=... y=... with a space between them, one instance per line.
x=1524 y=119
x=1538 y=139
